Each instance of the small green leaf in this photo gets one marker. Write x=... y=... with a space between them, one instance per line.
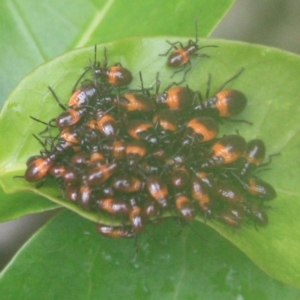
x=67 y=259
x=270 y=81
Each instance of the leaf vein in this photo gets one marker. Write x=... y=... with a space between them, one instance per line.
x=94 y=24
x=24 y=27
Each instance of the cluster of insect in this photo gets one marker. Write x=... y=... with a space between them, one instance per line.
x=137 y=156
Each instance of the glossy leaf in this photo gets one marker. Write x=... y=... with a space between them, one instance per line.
x=27 y=29
x=170 y=262
x=270 y=81
x=33 y=32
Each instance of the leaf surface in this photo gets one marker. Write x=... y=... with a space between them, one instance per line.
x=168 y=262
x=270 y=81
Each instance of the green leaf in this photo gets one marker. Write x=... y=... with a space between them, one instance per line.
x=67 y=259
x=16 y=205
x=270 y=81
x=33 y=32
